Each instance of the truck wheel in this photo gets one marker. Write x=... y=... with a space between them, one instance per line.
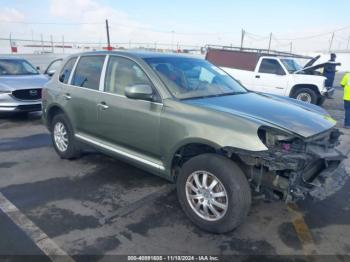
x=63 y=137
x=321 y=100
x=306 y=94
x=214 y=193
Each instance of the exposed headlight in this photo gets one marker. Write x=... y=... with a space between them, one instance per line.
x=274 y=138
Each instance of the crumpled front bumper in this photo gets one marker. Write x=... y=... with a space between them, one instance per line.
x=328 y=182
x=315 y=170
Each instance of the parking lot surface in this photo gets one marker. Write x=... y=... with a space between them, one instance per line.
x=100 y=206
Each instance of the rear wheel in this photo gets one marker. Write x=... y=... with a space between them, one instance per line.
x=214 y=193
x=307 y=95
x=63 y=137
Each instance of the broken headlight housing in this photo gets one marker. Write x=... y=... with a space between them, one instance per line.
x=273 y=138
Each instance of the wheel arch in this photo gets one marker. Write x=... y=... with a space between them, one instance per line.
x=188 y=149
x=299 y=86
x=51 y=112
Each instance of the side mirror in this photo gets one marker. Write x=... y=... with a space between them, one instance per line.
x=142 y=92
x=51 y=72
x=38 y=68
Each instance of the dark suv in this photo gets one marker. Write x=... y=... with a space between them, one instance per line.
x=187 y=121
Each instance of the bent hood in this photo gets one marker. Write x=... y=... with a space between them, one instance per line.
x=297 y=117
x=11 y=83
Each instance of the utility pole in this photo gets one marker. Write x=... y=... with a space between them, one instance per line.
x=347 y=46
x=331 y=42
x=242 y=38
x=270 y=42
x=291 y=47
x=108 y=39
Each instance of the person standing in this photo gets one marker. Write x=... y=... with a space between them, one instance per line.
x=345 y=82
x=329 y=70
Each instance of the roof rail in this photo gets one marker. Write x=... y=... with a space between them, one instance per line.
x=256 y=50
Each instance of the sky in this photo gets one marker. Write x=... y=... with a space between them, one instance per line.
x=191 y=22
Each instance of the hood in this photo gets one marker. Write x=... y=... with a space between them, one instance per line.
x=300 y=118
x=311 y=79
x=11 y=83
x=312 y=61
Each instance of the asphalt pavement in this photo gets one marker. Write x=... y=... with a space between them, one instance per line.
x=100 y=206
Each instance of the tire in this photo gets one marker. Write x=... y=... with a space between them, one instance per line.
x=232 y=182
x=321 y=100
x=309 y=94
x=72 y=149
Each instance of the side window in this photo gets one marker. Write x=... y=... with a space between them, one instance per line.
x=88 y=72
x=122 y=72
x=66 y=70
x=271 y=66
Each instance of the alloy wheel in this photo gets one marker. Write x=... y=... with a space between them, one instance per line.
x=206 y=195
x=61 y=136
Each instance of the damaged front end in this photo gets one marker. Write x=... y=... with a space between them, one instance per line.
x=293 y=168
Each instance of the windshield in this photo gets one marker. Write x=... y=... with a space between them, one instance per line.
x=193 y=78
x=291 y=65
x=10 y=67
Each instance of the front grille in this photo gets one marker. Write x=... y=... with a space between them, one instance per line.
x=29 y=108
x=27 y=94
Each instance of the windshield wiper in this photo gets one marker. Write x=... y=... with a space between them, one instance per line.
x=217 y=95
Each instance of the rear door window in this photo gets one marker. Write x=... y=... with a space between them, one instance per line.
x=88 y=72
x=67 y=70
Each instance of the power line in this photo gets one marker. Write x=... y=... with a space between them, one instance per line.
x=50 y=23
x=115 y=24
x=317 y=35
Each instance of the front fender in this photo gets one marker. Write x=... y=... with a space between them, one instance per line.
x=183 y=124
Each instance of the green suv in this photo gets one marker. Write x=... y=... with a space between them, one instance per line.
x=189 y=122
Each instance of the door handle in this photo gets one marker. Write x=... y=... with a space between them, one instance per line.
x=103 y=105
x=67 y=96
x=257 y=76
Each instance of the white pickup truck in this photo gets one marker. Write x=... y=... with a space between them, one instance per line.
x=271 y=73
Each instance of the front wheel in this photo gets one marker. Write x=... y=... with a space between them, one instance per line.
x=307 y=95
x=214 y=193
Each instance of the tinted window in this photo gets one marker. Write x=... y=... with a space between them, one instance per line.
x=88 y=72
x=122 y=72
x=16 y=67
x=270 y=66
x=193 y=78
x=66 y=70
